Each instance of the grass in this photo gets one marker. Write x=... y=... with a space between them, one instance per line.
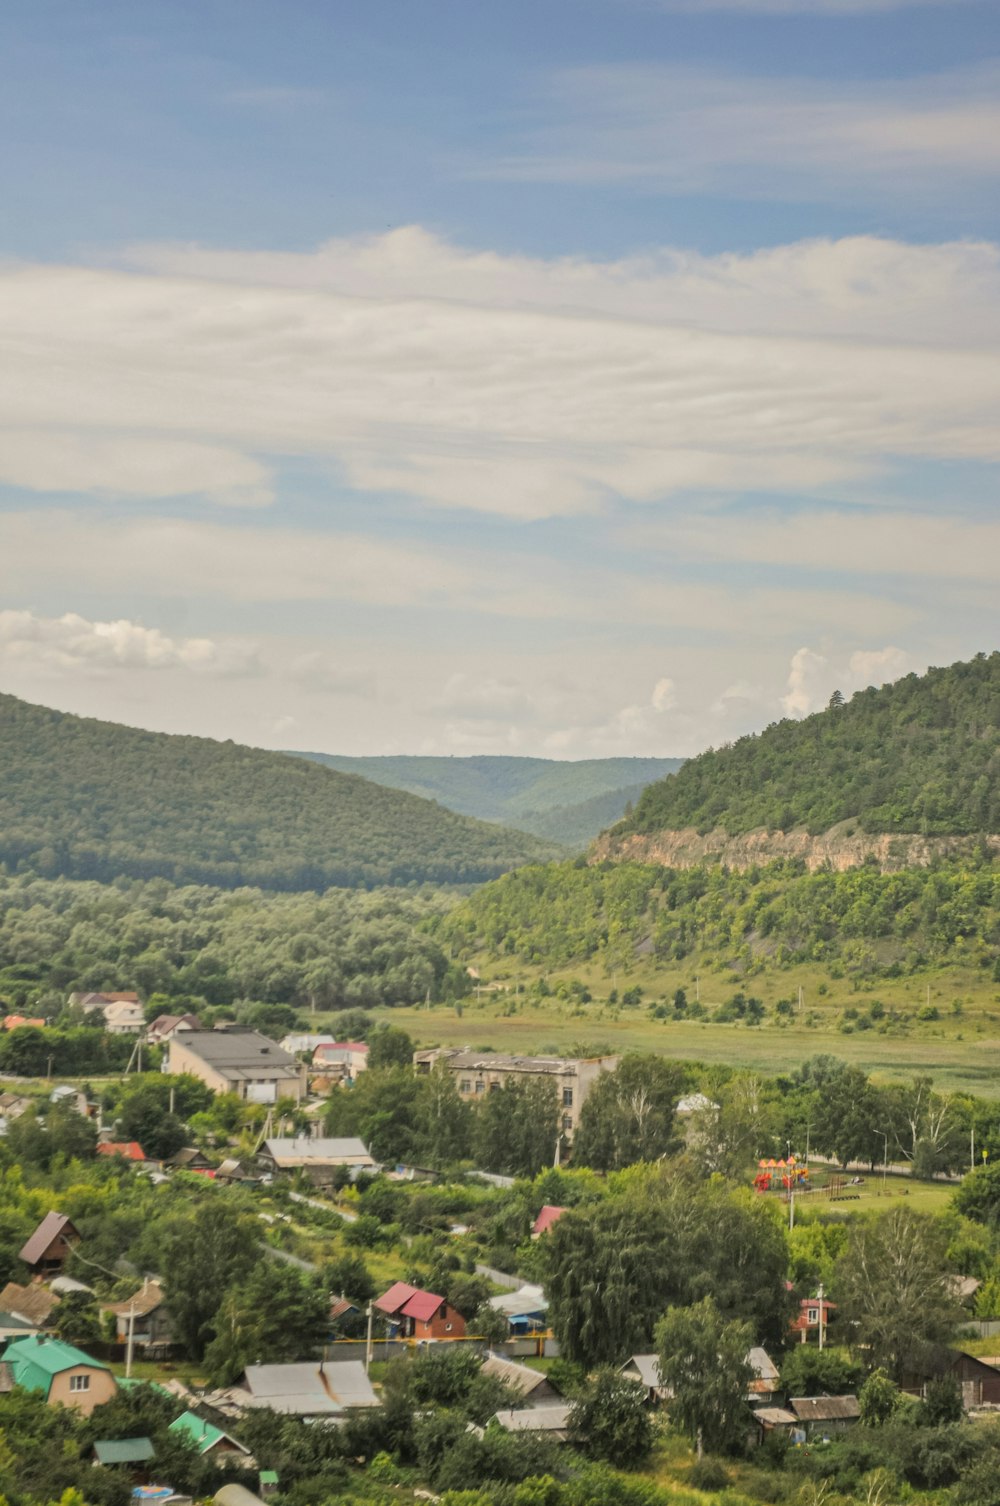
x=960 y=1049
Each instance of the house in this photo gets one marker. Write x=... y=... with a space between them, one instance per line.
x=475 y=1074
x=88 y=1002
x=210 y=1441
x=70 y=1097
x=189 y=1158
x=33 y=1303
x=314 y=1388
x=233 y=1170
x=124 y=1017
x=146 y=1311
x=13 y=1105
x=978 y=1379
x=64 y=1375
x=821 y=1416
x=319 y=1158
x=551 y=1421
x=814 y=1314
x=48 y=1249
x=126 y=1150
x=532 y=1387
x=304 y=1045
x=549 y=1215
x=21 y=1022
x=415 y=1314
x=645 y=1369
x=232 y=1060
x=14 y=1326
x=526 y=1310
x=341 y=1058
x=766 y=1381
x=778 y=1420
x=166 y=1026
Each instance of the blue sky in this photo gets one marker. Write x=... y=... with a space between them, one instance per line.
x=575 y=377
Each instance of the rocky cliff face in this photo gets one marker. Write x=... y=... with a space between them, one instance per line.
x=841 y=847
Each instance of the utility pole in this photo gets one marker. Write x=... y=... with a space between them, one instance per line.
x=820 y=1294
x=173 y=1091
x=972 y=1147
x=131 y=1335
x=791 y=1205
x=885 y=1154
x=368 y=1341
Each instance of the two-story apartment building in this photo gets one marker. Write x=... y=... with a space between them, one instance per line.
x=476 y=1073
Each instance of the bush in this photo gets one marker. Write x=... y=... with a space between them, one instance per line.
x=708 y=1474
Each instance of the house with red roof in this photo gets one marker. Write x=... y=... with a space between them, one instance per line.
x=813 y=1318
x=19 y=1021
x=549 y=1215
x=129 y=1150
x=416 y=1314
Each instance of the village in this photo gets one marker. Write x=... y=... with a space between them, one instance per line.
x=329 y=1219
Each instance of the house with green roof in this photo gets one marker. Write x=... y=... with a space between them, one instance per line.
x=208 y=1439
x=65 y=1376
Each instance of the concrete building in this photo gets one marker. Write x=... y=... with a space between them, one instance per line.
x=477 y=1073
x=238 y=1061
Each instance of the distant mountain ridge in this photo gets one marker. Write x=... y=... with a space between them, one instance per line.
x=95 y=800
x=900 y=774
x=558 y=800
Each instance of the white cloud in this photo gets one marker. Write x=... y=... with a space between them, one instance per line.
x=813 y=677
x=72 y=642
x=320 y=671
x=505 y=385
x=487 y=699
x=664 y=697
x=697 y=131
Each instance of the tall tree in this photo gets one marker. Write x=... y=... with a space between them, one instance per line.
x=277 y=1313
x=516 y=1128
x=892 y=1287
x=629 y=1114
x=704 y=1361
x=204 y=1256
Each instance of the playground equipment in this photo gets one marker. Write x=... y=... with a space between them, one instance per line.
x=781 y=1176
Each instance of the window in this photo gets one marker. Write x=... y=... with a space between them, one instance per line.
x=480 y=1087
x=495 y=1087
x=465 y=1086
x=567 y=1122
x=812 y=1315
x=567 y=1098
x=447 y=1328
x=79 y=1383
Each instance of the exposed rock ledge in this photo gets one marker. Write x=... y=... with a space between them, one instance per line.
x=841 y=847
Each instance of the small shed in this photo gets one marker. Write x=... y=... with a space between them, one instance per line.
x=821 y=1416
x=551 y=1421
x=532 y=1386
x=130 y=1451
x=645 y=1369
x=49 y=1248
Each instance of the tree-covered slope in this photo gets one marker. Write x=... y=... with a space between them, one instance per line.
x=560 y=800
x=92 y=799
x=921 y=755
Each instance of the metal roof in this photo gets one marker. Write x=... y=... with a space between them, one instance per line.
x=311 y=1389
x=238 y=1053
x=825 y=1408
x=123 y=1450
x=303 y=1150
x=520 y=1378
x=553 y=1419
x=204 y=1435
x=36 y=1361
x=50 y=1228
x=647 y=1370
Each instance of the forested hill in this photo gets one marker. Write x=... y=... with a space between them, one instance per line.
x=919 y=756
x=89 y=799
x=560 y=800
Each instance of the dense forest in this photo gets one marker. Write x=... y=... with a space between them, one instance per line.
x=778 y=915
x=920 y=755
x=558 y=800
x=94 y=800
x=201 y=945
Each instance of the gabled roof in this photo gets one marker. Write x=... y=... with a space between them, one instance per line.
x=305 y=1150
x=35 y=1361
x=553 y=1419
x=549 y=1215
x=527 y=1301
x=129 y=1150
x=646 y=1368
x=146 y=1300
x=31 y=1302
x=51 y=1226
x=825 y=1408
x=410 y=1302
x=310 y=1389
x=204 y=1435
x=520 y=1378
x=762 y=1365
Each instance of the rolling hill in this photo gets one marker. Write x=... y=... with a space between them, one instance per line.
x=94 y=800
x=558 y=800
x=900 y=773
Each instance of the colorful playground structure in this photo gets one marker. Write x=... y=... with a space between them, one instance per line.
x=781 y=1176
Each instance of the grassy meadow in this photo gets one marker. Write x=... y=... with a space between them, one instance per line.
x=960 y=1048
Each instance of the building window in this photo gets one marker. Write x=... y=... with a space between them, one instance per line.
x=567 y=1098
x=495 y=1087
x=812 y=1315
x=79 y=1383
x=567 y=1122
x=480 y=1087
x=447 y=1328
x=465 y=1086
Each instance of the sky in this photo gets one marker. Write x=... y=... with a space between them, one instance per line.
x=571 y=378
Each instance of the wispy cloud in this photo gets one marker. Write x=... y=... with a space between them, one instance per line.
x=790 y=371
x=699 y=131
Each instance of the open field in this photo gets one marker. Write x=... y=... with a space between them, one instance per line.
x=960 y=1049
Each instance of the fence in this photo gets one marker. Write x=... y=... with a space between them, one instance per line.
x=500 y=1278
x=538 y=1346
